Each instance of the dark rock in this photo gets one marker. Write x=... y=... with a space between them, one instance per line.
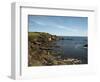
x=85 y=46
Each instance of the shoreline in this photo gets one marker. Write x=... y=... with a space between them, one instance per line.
x=40 y=54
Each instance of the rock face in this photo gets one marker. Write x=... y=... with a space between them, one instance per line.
x=50 y=39
x=40 y=51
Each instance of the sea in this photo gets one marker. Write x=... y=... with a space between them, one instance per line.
x=72 y=47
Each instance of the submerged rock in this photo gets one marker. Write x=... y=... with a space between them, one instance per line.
x=85 y=46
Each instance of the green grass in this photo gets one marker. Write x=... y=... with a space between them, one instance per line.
x=38 y=36
x=33 y=34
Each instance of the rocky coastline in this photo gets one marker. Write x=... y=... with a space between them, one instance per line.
x=40 y=51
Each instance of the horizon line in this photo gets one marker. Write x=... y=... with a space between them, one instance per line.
x=62 y=35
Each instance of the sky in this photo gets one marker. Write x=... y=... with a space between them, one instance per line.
x=58 y=25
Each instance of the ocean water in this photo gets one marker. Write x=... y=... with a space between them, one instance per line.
x=72 y=47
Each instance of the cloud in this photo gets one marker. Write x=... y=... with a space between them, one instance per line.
x=70 y=29
x=61 y=27
x=40 y=23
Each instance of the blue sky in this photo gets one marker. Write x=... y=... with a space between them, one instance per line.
x=58 y=25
